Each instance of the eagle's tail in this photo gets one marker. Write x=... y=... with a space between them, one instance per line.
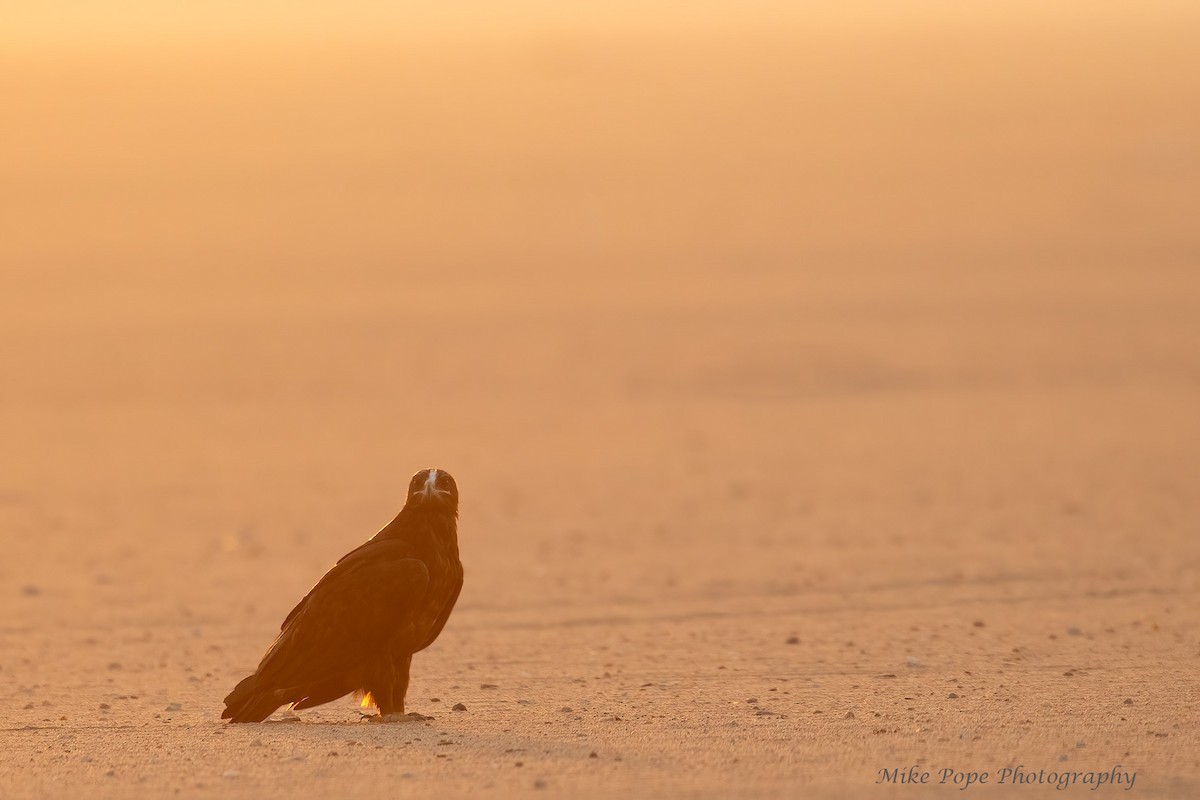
x=250 y=702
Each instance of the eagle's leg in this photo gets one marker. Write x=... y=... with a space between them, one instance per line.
x=401 y=663
x=383 y=699
x=389 y=697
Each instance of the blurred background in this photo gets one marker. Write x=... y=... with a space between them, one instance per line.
x=702 y=305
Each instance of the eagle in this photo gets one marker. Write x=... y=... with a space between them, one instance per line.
x=358 y=628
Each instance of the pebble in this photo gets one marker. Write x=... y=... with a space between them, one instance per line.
x=488 y=686
x=459 y=707
x=793 y=640
x=173 y=707
x=29 y=590
x=1073 y=631
x=913 y=662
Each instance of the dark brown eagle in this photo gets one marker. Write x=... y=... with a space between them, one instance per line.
x=358 y=628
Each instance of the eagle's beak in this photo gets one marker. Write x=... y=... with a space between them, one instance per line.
x=430 y=489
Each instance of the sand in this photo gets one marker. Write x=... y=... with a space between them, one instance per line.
x=823 y=397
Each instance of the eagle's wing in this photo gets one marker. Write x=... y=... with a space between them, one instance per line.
x=369 y=597
x=365 y=550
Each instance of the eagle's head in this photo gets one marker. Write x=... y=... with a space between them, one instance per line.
x=433 y=488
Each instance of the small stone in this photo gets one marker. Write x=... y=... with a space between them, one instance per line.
x=257 y=743
x=408 y=776
x=86 y=759
x=112 y=773
x=1128 y=701
x=793 y=640
x=593 y=754
x=1080 y=745
x=29 y=590
x=28 y=706
x=114 y=665
x=566 y=709
x=849 y=715
x=435 y=699
x=520 y=764
x=978 y=623
x=913 y=662
x=459 y=707
x=952 y=696
x=488 y=686
x=539 y=784
x=1073 y=631
x=105 y=706
x=751 y=699
x=173 y=707
x=230 y=774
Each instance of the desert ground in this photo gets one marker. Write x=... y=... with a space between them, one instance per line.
x=823 y=388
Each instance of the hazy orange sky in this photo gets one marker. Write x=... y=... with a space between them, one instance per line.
x=105 y=23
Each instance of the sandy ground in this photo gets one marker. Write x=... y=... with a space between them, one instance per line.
x=823 y=400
